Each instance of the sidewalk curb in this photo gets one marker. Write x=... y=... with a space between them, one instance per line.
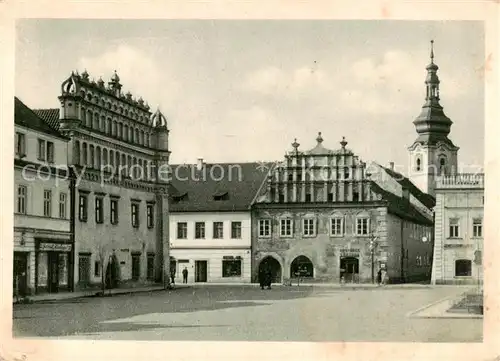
x=451 y=299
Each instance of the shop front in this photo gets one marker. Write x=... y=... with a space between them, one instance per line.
x=54 y=261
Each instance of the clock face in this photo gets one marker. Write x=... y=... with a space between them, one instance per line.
x=424 y=239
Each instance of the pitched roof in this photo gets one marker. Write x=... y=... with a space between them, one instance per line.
x=49 y=116
x=426 y=199
x=399 y=206
x=24 y=116
x=217 y=188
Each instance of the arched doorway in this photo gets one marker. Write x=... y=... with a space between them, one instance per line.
x=303 y=267
x=270 y=263
x=112 y=272
x=349 y=269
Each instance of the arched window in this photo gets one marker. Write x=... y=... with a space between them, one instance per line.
x=301 y=266
x=137 y=139
x=102 y=126
x=442 y=165
x=92 y=157
x=88 y=122
x=113 y=131
x=124 y=165
x=117 y=162
x=111 y=158
x=129 y=164
x=463 y=268
x=134 y=169
x=148 y=144
x=76 y=153
x=104 y=157
x=131 y=134
x=418 y=166
x=95 y=125
x=120 y=130
x=84 y=117
x=98 y=157
x=84 y=154
x=142 y=137
x=141 y=169
x=125 y=132
x=109 y=125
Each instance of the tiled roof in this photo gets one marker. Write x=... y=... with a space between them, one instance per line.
x=219 y=188
x=400 y=207
x=426 y=199
x=49 y=116
x=26 y=117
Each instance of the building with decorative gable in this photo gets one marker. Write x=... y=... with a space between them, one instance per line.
x=326 y=216
x=119 y=152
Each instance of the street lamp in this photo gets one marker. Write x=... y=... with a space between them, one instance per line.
x=373 y=244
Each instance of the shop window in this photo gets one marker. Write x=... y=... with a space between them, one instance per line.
x=302 y=266
x=231 y=267
x=463 y=267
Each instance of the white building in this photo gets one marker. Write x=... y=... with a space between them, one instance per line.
x=210 y=220
x=43 y=242
x=458 y=228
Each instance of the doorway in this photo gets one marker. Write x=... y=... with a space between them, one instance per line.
x=271 y=264
x=301 y=267
x=20 y=281
x=349 y=269
x=200 y=271
x=53 y=274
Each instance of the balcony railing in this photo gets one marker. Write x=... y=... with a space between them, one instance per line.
x=461 y=180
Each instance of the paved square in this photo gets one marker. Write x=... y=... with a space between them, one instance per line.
x=247 y=313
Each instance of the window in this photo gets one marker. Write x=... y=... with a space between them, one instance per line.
x=477 y=227
x=418 y=166
x=442 y=165
x=337 y=226
x=355 y=196
x=330 y=197
x=463 y=268
x=418 y=260
x=98 y=210
x=20 y=144
x=218 y=230
x=83 y=207
x=308 y=197
x=347 y=172
x=41 y=150
x=135 y=214
x=236 y=230
x=182 y=230
x=47 y=203
x=309 y=227
x=136 y=267
x=150 y=267
x=62 y=205
x=454 y=229
x=362 y=226
x=231 y=267
x=150 y=215
x=45 y=150
x=199 y=230
x=265 y=228
x=97 y=268
x=113 y=207
x=50 y=152
x=286 y=229
x=21 y=199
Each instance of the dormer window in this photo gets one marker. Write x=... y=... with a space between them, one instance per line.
x=180 y=197
x=221 y=196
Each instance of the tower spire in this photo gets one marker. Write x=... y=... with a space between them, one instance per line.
x=432 y=51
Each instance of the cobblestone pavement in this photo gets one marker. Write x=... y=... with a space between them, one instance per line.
x=239 y=313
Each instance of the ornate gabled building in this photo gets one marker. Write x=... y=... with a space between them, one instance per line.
x=118 y=151
x=327 y=216
x=432 y=154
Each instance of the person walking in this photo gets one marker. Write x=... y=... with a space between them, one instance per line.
x=383 y=276
x=172 y=276
x=269 y=278
x=185 y=275
x=262 y=278
x=379 y=277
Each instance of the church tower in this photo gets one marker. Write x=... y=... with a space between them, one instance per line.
x=433 y=153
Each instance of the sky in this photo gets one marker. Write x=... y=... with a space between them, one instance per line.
x=236 y=91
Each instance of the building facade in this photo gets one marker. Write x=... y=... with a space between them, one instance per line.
x=210 y=220
x=43 y=242
x=119 y=152
x=327 y=216
x=458 y=229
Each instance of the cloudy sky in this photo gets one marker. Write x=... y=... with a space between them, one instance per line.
x=243 y=90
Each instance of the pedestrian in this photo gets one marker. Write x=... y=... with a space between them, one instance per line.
x=379 y=277
x=383 y=276
x=269 y=279
x=172 y=276
x=185 y=275
x=262 y=278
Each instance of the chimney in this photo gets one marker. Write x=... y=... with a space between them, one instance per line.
x=391 y=165
x=199 y=164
